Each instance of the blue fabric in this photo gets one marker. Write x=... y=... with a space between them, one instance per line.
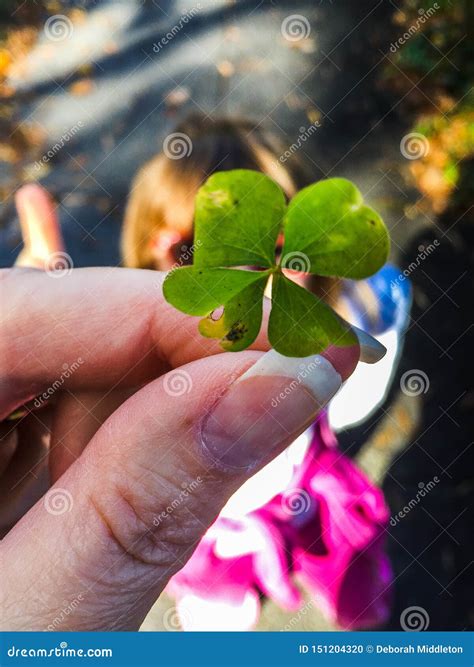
x=392 y=291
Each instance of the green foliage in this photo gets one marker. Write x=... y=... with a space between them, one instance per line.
x=328 y=231
x=340 y=236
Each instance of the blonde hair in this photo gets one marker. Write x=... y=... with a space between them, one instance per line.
x=163 y=191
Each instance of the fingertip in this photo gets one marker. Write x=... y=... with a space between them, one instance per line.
x=344 y=359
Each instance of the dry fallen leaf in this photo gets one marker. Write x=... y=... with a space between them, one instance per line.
x=5 y=61
x=225 y=68
x=82 y=87
x=177 y=97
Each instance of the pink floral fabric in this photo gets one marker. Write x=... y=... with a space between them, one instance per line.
x=326 y=530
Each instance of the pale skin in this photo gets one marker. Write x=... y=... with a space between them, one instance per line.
x=112 y=436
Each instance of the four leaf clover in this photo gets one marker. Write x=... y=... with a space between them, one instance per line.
x=328 y=231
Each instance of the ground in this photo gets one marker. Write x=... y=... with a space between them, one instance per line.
x=123 y=96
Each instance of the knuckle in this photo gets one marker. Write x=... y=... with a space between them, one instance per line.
x=148 y=539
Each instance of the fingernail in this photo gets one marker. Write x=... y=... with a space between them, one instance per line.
x=266 y=409
x=371 y=350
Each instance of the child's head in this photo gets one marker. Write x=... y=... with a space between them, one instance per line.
x=159 y=217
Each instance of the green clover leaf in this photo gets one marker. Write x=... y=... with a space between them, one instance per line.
x=329 y=224
x=328 y=231
x=198 y=291
x=238 y=216
x=301 y=324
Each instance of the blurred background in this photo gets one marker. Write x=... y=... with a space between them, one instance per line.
x=90 y=90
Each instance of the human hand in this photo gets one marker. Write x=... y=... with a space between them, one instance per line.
x=139 y=479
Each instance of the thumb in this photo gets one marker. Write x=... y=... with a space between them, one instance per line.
x=129 y=513
x=42 y=238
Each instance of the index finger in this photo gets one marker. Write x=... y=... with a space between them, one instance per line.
x=90 y=329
